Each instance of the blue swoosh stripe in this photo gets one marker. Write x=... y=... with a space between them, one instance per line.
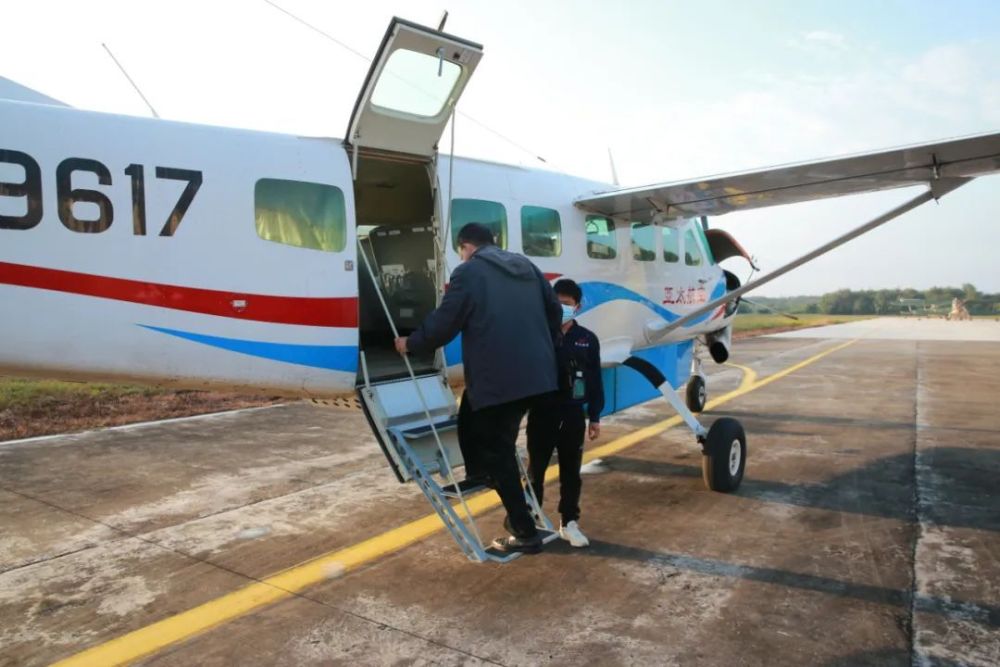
x=453 y=351
x=330 y=357
x=598 y=293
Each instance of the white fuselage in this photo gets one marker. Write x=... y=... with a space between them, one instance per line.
x=87 y=293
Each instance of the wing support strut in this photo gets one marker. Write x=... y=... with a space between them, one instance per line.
x=938 y=188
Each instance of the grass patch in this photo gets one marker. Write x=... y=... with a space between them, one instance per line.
x=41 y=407
x=756 y=322
x=18 y=392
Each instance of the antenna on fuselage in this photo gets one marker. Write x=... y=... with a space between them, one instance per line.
x=155 y=115
x=444 y=19
x=614 y=172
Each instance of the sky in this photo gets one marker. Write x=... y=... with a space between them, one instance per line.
x=675 y=90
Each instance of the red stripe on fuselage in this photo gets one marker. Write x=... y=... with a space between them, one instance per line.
x=319 y=312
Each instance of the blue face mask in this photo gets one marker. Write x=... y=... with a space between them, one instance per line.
x=568 y=313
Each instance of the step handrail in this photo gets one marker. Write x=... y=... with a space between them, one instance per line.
x=420 y=395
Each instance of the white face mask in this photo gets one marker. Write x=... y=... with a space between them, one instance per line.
x=568 y=313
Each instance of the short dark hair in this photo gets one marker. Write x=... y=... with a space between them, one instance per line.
x=475 y=233
x=567 y=287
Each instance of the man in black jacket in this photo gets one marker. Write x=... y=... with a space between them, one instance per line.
x=508 y=316
x=558 y=422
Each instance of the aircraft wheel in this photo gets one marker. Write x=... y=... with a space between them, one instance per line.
x=697 y=394
x=724 y=455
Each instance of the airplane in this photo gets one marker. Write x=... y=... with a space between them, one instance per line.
x=159 y=252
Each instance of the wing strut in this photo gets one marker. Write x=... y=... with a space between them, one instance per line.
x=938 y=189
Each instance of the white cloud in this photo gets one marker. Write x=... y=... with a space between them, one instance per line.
x=949 y=70
x=990 y=102
x=818 y=41
x=832 y=39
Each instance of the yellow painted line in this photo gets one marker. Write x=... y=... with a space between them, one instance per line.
x=183 y=626
x=749 y=375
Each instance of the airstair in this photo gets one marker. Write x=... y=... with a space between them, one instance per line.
x=415 y=420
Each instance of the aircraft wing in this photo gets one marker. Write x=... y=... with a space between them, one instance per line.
x=12 y=90
x=967 y=157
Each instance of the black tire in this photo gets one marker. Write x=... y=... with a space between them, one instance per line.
x=697 y=393
x=724 y=455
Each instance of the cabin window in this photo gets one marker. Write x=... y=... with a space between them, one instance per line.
x=415 y=83
x=489 y=213
x=541 y=232
x=643 y=241
x=671 y=243
x=304 y=215
x=601 y=241
x=693 y=255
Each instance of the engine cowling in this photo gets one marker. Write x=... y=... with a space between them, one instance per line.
x=719 y=343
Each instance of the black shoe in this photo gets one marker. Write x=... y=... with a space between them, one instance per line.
x=528 y=545
x=479 y=480
x=470 y=485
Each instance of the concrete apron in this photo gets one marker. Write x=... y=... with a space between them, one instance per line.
x=865 y=532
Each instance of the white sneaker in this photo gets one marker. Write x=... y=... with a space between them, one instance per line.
x=572 y=534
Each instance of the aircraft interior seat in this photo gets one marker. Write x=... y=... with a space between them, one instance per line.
x=371 y=317
x=403 y=256
x=539 y=247
x=412 y=300
x=595 y=249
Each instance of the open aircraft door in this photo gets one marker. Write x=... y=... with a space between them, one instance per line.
x=406 y=101
x=411 y=90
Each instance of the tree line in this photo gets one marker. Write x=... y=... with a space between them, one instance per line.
x=936 y=300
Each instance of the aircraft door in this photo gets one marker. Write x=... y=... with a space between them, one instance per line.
x=411 y=89
x=407 y=100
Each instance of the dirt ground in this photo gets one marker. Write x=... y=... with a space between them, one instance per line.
x=31 y=408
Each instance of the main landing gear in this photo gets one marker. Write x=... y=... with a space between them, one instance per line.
x=724 y=455
x=723 y=445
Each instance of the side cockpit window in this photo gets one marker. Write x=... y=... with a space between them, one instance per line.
x=693 y=255
x=304 y=215
x=671 y=245
x=643 y=241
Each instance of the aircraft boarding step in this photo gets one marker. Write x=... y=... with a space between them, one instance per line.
x=425 y=450
x=416 y=423
x=466 y=487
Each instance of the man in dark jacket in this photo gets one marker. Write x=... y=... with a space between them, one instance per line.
x=508 y=316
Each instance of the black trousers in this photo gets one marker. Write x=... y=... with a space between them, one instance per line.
x=487 y=440
x=552 y=426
